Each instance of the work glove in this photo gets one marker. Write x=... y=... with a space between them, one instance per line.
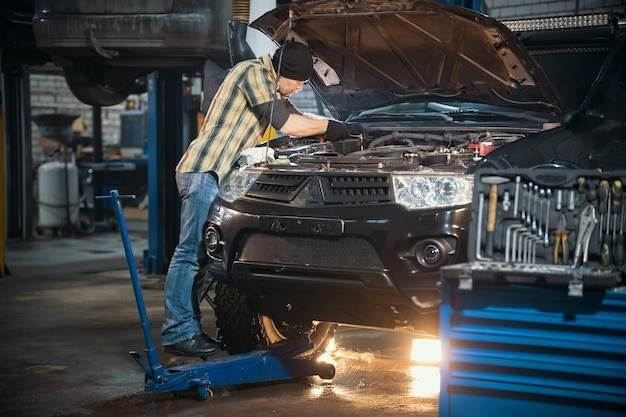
x=340 y=131
x=356 y=129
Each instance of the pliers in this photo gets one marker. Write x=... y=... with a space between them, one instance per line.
x=560 y=245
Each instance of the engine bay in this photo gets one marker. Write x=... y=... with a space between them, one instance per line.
x=395 y=149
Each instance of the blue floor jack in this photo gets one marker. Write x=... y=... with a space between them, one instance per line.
x=278 y=362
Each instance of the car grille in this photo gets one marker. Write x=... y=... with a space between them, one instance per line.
x=334 y=189
x=280 y=187
x=355 y=189
x=312 y=252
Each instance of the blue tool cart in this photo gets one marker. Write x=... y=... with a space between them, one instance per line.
x=535 y=323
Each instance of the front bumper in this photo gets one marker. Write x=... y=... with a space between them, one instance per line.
x=363 y=265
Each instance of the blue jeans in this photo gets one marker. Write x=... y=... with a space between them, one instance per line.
x=187 y=270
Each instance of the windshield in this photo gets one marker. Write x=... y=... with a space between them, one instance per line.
x=450 y=113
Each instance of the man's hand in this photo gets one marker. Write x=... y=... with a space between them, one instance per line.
x=356 y=129
x=340 y=131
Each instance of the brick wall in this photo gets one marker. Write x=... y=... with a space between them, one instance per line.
x=509 y=9
x=50 y=94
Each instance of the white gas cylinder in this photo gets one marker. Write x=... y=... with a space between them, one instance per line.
x=58 y=194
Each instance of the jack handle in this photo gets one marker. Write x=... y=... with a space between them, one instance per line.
x=153 y=361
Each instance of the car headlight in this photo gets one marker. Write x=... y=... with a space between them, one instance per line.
x=237 y=184
x=432 y=191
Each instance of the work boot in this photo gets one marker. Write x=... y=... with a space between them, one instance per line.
x=197 y=346
x=212 y=340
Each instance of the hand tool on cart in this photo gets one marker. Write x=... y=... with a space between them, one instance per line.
x=493 y=181
x=523 y=202
x=586 y=224
x=560 y=245
x=534 y=224
x=519 y=206
x=603 y=208
x=559 y=199
x=581 y=183
x=617 y=194
x=586 y=187
x=516 y=205
x=510 y=241
x=529 y=206
x=506 y=201
x=546 y=239
x=479 y=228
x=278 y=362
x=571 y=200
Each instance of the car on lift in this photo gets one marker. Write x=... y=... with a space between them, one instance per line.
x=105 y=47
x=355 y=232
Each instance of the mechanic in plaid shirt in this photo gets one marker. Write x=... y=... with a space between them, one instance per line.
x=251 y=94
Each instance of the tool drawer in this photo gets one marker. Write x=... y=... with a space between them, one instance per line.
x=546 y=226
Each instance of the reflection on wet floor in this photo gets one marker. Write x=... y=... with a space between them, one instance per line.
x=425 y=381
x=423 y=371
x=374 y=377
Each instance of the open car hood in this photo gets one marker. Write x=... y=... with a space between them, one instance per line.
x=369 y=53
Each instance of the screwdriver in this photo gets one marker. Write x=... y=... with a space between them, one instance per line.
x=581 y=183
x=617 y=194
x=603 y=206
x=591 y=191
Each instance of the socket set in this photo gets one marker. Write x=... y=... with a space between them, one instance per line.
x=546 y=226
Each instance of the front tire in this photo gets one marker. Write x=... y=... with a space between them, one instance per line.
x=243 y=328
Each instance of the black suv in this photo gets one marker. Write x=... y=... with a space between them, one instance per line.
x=355 y=232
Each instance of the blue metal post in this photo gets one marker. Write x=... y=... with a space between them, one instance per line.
x=165 y=146
x=155 y=179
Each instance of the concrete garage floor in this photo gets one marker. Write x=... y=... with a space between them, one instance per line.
x=69 y=319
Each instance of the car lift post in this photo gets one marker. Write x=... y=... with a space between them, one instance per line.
x=275 y=363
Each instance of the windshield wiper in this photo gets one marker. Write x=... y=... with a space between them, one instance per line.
x=412 y=116
x=498 y=114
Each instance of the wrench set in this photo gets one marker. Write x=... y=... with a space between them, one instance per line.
x=546 y=226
